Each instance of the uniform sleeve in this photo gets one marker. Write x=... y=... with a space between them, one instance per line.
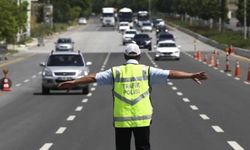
x=158 y=76
x=104 y=77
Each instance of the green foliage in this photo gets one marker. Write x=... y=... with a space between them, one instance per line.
x=240 y=12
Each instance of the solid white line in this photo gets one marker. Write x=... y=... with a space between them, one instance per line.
x=85 y=100
x=71 y=118
x=61 y=130
x=179 y=93
x=79 y=108
x=46 y=146
x=27 y=80
x=204 y=117
x=174 y=88
x=19 y=84
x=92 y=89
x=186 y=100
x=235 y=145
x=218 y=129
x=90 y=94
x=194 y=107
x=106 y=59
x=34 y=76
x=170 y=83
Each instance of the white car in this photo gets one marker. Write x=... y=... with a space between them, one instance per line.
x=82 y=21
x=123 y=26
x=167 y=49
x=128 y=36
x=146 y=26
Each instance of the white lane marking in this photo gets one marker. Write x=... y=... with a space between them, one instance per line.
x=19 y=84
x=46 y=146
x=222 y=71
x=236 y=78
x=215 y=68
x=218 y=129
x=27 y=80
x=186 y=100
x=71 y=118
x=179 y=93
x=40 y=72
x=79 y=108
x=204 y=117
x=34 y=76
x=85 y=100
x=102 y=69
x=94 y=84
x=106 y=59
x=156 y=66
x=228 y=74
x=92 y=89
x=90 y=94
x=174 y=88
x=61 y=130
x=170 y=83
x=235 y=145
x=246 y=82
x=194 y=107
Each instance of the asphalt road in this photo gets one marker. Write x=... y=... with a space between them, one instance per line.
x=187 y=116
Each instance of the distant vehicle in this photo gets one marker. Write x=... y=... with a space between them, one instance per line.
x=160 y=28
x=128 y=36
x=146 y=26
x=167 y=49
x=123 y=26
x=158 y=21
x=108 y=16
x=61 y=67
x=142 y=16
x=82 y=20
x=126 y=15
x=64 y=44
x=143 y=40
x=165 y=36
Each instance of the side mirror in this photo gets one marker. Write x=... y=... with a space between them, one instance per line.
x=42 y=64
x=89 y=63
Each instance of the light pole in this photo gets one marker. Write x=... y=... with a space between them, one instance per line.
x=149 y=7
x=245 y=19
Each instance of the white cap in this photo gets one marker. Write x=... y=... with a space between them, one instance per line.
x=132 y=49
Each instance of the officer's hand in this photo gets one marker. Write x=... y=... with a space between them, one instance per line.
x=197 y=77
x=66 y=85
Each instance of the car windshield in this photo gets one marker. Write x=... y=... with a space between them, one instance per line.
x=64 y=41
x=141 y=36
x=130 y=32
x=146 y=24
x=123 y=24
x=166 y=36
x=167 y=45
x=65 y=60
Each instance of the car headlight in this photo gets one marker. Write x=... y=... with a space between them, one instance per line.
x=148 y=42
x=47 y=72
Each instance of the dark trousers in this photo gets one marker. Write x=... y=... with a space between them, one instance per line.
x=123 y=138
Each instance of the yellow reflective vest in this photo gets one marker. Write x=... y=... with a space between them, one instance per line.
x=131 y=92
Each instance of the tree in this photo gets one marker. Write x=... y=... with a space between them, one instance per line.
x=240 y=13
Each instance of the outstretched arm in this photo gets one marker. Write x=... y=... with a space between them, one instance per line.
x=197 y=77
x=71 y=84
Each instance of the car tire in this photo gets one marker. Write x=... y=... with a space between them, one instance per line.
x=45 y=90
x=150 y=48
x=85 y=90
x=177 y=58
x=123 y=43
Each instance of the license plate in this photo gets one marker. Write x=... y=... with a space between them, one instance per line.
x=64 y=78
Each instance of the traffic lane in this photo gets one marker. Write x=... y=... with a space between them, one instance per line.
x=36 y=116
x=220 y=97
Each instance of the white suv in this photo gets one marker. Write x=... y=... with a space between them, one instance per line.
x=63 y=66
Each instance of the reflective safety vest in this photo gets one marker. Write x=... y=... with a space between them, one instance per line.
x=131 y=92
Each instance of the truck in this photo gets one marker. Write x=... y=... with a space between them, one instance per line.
x=142 y=16
x=126 y=15
x=108 y=16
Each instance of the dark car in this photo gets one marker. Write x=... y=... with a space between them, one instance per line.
x=143 y=41
x=165 y=36
x=160 y=28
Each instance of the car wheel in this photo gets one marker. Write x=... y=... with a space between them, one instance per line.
x=45 y=90
x=85 y=90
x=123 y=43
x=177 y=58
x=150 y=48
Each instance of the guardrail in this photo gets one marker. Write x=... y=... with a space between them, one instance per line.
x=237 y=50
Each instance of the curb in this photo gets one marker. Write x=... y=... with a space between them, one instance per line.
x=238 y=51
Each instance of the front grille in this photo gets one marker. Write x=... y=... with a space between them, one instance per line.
x=65 y=73
x=167 y=53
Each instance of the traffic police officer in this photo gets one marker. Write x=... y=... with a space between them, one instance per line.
x=131 y=92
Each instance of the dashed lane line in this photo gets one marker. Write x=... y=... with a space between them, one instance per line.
x=235 y=145
x=204 y=117
x=27 y=80
x=61 y=130
x=34 y=76
x=179 y=93
x=174 y=88
x=217 y=129
x=19 y=84
x=170 y=83
x=85 y=100
x=46 y=146
x=90 y=94
x=79 y=108
x=92 y=89
x=71 y=118
x=186 y=100
x=193 y=107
